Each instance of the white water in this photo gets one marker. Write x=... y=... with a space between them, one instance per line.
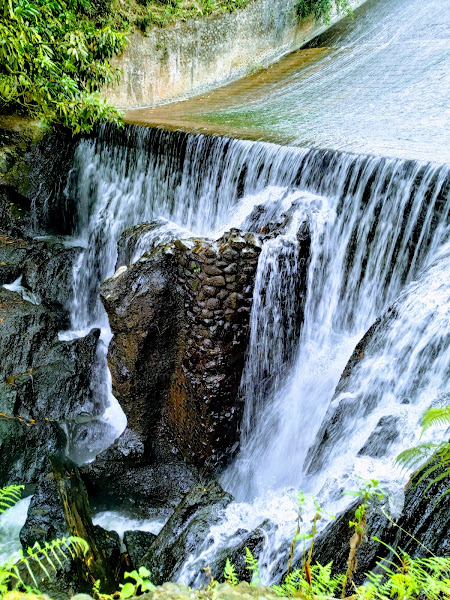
x=378 y=231
x=11 y=522
x=16 y=286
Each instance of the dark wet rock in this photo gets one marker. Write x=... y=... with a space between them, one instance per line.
x=48 y=273
x=176 y=365
x=43 y=383
x=422 y=529
x=35 y=163
x=57 y=383
x=234 y=550
x=25 y=330
x=24 y=449
x=45 y=519
x=121 y=475
x=137 y=544
x=110 y=542
x=384 y=434
x=185 y=530
x=426 y=517
x=349 y=401
x=45 y=267
x=333 y=543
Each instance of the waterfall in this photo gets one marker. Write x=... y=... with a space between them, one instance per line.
x=378 y=230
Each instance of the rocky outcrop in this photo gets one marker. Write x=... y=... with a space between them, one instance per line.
x=420 y=530
x=45 y=268
x=34 y=166
x=185 y=530
x=180 y=319
x=43 y=384
x=348 y=400
x=122 y=475
x=137 y=544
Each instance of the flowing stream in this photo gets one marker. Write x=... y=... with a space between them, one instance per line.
x=379 y=238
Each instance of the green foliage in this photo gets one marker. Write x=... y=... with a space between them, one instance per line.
x=163 y=12
x=40 y=562
x=430 y=457
x=253 y=566
x=229 y=574
x=368 y=490
x=410 y=579
x=321 y=9
x=54 y=59
x=322 y=584
x=9 y=496
x=140 y=584
x=435 y=417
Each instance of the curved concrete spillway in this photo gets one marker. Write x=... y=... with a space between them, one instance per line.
x=379 y=84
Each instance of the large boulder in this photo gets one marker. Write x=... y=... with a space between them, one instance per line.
x=44 y=383
x=351 y=400
x=45 y=268
x=185 y=530
x=121 y=474
x=180 y=318
x=137 y=544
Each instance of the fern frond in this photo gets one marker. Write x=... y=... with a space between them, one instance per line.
x=9 y=496
x=412 y=457
x=42 y=561
x=435 y=417
x=229 y=574
x=253 y=566
x=413 y=578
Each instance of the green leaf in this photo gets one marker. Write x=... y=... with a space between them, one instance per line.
x=128 y=590
x=144 y=573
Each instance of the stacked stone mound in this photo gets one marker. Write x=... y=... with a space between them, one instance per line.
x=180 y=318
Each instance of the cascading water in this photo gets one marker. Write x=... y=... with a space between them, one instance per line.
x=377 y=228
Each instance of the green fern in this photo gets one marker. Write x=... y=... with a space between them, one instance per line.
x=429 y=457
x=435 y=417
x=40 y=562
x=253 y=566
x=322 y=584
x=9 y=496
x=413 y=577
x=229 y=574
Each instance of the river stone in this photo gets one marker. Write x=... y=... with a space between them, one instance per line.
x=137 y=544
x=185 y=530
x=121 y=475
x=45 y=518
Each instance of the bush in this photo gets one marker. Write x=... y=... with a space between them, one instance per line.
x=321 y=9
x=54 y=59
